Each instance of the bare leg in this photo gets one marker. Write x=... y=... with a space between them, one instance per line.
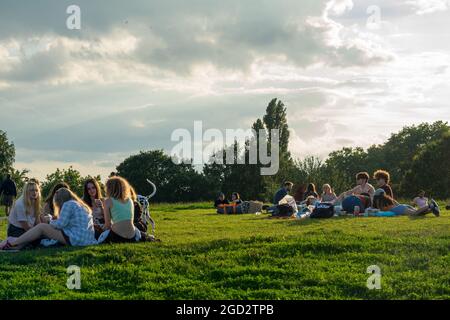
x=37 y=232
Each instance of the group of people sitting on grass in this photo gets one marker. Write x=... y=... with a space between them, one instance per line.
x=66 y=219
x=363 y=199
x=222 y=199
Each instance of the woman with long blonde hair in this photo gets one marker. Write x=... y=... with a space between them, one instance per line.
x=327 y=193
x=73 y=226
x=26 y=211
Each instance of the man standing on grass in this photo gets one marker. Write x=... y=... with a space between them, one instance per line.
x=9 y=191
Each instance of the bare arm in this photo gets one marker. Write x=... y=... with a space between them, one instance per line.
x=107 y=213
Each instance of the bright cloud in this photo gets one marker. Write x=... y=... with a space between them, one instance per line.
x=133 y=74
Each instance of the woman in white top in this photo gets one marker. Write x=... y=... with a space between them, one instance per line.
x=25 y=213
x=420 y=201
x=73 y=226
x=328 y=195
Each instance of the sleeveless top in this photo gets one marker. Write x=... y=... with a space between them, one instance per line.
x=122 y=211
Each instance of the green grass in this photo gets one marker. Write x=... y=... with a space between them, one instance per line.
x=207 y=256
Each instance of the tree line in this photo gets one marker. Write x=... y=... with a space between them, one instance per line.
x=417 y=158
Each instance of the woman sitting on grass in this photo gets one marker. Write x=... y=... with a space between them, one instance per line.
x=25 y=213
x=236 y=198
x=328 y=195
x=420 y=201
x=73 y=225
x=92 y=196
x=48 y=212
x=119 y=211
x=220 y=200
x=385 y=203
x=311 y=191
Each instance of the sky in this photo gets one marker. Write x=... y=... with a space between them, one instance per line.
x=349 y=72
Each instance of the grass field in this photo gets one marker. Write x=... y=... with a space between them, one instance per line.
x=206 y=256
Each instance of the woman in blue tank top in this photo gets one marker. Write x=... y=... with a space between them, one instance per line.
x=119 y=211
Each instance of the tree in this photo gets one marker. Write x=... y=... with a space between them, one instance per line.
x=175 y=182
x=401 y=147
x=7 y=153
x=430 y=169
x=342 y=165
x=70 y=176
x=276 y=118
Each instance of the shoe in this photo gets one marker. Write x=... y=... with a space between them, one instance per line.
x=434 y=208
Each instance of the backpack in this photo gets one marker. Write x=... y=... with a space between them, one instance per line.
x=323 y=211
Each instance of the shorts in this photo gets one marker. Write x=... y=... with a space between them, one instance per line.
x=400 y=209
x=16 y=232
x=115 y=238
x=7 y=200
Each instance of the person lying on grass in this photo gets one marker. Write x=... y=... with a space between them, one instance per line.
x=385 y=203
x=73 y=226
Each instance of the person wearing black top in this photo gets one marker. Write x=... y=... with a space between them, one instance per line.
x=383 y=179
x=311 y=191
x=9 y=191
x=221 y=200
x=236 y=198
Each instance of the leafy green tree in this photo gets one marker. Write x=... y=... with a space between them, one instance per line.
x=276 y=118
x=7 y=154
x=342 y=165
x=401 y=147
x=430 y=170
x=70 y=176
x=175 y=182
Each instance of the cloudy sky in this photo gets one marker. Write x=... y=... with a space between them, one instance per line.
x=139 y=69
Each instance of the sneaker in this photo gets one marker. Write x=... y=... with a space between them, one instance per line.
x=434 y=208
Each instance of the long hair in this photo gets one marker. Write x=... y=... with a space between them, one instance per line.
x=133 y=194
x=383 y=201
x=56 y=187
x=311 y=188
x=86 y=197
x=28 y=204
x=118 y=188
x=64 y=195
x=327 y=186
x=237 y=195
